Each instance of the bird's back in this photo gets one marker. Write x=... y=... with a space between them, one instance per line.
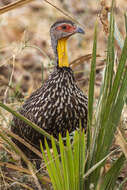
x=56 y=107
x=59 y=105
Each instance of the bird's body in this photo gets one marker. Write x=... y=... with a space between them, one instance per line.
x=57 y=106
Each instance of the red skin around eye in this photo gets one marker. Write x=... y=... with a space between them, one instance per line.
x=68 y=28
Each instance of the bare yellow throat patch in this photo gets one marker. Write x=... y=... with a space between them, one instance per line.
x=62 y=53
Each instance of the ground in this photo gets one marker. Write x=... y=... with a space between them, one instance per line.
x=26 y=57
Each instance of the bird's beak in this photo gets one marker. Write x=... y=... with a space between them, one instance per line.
x=80 y=30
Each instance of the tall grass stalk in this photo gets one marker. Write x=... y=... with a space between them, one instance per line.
x=67 y=169
x=109 y=109
x=102 y=125
x=80 y=165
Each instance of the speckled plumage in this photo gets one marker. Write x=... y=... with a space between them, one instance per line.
x=56 y=107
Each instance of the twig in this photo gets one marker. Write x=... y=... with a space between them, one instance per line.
x=65 y=13
x=10 y=81
x=13 y=5
x=20 y=3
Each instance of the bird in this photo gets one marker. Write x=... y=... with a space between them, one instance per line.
x=58 y=105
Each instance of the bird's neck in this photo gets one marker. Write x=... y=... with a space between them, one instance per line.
x=62 y=53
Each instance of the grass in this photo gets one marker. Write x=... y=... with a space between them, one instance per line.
x=102 y=125
x=105 y=120
x=81 y=165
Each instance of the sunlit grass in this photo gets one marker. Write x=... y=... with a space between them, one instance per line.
x=81 y=165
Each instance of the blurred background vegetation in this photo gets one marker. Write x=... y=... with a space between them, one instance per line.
x=26 y=56
x=28 y=26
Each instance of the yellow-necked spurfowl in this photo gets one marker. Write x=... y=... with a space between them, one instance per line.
x=58 y=105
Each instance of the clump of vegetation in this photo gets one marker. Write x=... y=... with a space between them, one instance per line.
x=81 y=164
x=92 y=152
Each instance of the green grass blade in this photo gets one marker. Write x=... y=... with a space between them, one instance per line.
x=94 y=167
x=66 y=172
x=91 y=88
x=82 y=157
x=92 y=79
x=119 y=73
x=110 y=55
x=76 y=159
x=52 y=170
x=121 y=98
x=111 y=104
x=109 y=180
x=109 y=107
x=49 y=168
x=106 y=88
x=71 y=170
x=52 y=166
x=58 y=164
x=112 y=113
x=108 y=75
x=64 y=163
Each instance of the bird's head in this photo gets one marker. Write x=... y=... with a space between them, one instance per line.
x=60 y=31
x=64 y=29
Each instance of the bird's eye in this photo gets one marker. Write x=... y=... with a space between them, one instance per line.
x=64 y=27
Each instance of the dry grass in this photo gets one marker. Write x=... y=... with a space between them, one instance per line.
x=24 y=31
